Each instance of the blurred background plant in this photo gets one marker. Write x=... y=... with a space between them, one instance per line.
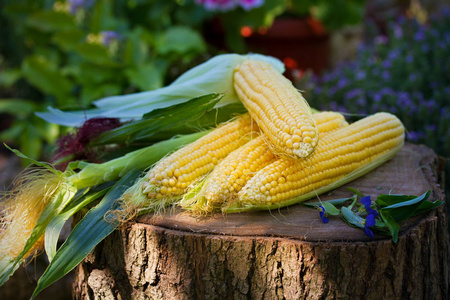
x=67 y=54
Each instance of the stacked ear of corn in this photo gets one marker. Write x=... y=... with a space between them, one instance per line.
x=279 y=109
x=340 y=157
x=232 y=173
x=174 y=174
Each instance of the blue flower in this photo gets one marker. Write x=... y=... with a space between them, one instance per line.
x=367 y=204
x=369 y=222
x=322 y=213
x=370 y=219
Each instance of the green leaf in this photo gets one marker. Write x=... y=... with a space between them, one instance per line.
x=90 y=231
x=31 y=143
x=161 y=119
x=145 y=77
x=391 y=224
x=402 y=210
x=395 y=201
x=53 y=231
x=356 y=191
x=9 y=76
x=17 y=107
x=96 y=54
x=180 y=40
x=13 y=132
x=68 y=40
x=51 y=21
x=33 y=161
x=331 y=209
x=39 y=72
x=351 y=218
x=427 y=205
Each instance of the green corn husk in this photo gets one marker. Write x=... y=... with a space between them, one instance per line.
x=213 y=76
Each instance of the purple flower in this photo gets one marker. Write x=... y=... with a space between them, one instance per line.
x=361 y=101
x=109 y=36
x=332 y=90
x=380 y=39
x=430 y=127
x=409 y=58
x=387 y=91
x=377 y=97
x=435 y=33
x=425 y=47
x=75 y=5
x=334 y=106
x=386 y=64
x=394 y=54
x=342 y=83
x=414 y=136
x=404 y=99
x=353 y=94
x=317 y=90
x=398 y=31
x=430 y=104
x=386 y=75
x=218 y=5
x=249 y=4
x=361 y=75
x=412 y=77
x=447 y=90
x=323 y=214
x=419 y=35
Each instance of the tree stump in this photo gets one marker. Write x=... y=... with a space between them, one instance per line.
x=284 y=254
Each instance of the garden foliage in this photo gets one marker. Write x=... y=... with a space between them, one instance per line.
x=405 y=72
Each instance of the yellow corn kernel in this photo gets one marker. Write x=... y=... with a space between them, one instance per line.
x=348 y=153
x=232 y=173
x=279 y=109
x=172 y=176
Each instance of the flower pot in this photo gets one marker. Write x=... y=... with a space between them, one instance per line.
x=301 y=43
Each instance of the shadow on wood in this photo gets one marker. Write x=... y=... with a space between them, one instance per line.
x=284 y=254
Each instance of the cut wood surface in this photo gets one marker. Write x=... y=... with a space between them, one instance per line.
x=281 y=254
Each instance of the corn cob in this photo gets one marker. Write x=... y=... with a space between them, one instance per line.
x=232 y=173
x=172 y=176
x=279 y=109
x=341 y=157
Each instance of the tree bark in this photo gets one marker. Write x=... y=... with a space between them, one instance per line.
x=283 y=254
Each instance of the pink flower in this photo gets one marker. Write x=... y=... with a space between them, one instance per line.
x=249 y=4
